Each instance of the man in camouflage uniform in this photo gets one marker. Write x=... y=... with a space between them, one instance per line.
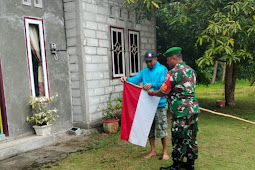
x=179 y=85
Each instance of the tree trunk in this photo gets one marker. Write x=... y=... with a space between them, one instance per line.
x=214 y=72
x=253 y=81
x=230 y=83
x=224 y=72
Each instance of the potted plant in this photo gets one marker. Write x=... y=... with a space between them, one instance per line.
x=220 y=103
x=112 y=115
x=41 y=115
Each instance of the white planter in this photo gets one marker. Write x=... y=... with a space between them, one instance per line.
x=42 y=130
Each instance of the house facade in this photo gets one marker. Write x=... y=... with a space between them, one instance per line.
x=104 y=42
x=76 y=49
x=28 y=66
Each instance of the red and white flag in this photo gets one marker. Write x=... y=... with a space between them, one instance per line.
x=138 y=111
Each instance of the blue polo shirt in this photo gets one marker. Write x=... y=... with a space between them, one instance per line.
x=155 y=76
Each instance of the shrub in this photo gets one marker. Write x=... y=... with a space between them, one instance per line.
x=41 y=114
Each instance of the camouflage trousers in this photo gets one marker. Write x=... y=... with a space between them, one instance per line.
x=184 y=138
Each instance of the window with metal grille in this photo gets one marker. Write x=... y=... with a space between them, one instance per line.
x=117 y=51
x=134 y=50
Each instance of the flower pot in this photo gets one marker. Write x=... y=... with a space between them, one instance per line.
x=111 y=125
x=42 y=130
x=220 y=103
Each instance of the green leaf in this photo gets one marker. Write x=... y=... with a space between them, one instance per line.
x=155 y=5
x=231 y=41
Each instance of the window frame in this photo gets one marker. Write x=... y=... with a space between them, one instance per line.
x=121 y=13
x=138 y=50
x=118 y=29
x=39 y=4
x=39 y=22
x=111 y=11
x=129 y=18
x=28 y=3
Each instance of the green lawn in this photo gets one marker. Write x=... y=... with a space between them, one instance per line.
x=224 y=143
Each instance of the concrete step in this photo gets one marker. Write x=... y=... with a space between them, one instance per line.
x=11 y=147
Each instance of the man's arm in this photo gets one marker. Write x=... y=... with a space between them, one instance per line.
x=147 y=86
x=123 y=79
x=161 y=79
x=136 y=79
x=156 y=93
x=164 y=89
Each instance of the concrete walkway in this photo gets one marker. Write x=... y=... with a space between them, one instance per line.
x=12 y=147
x=32 y=152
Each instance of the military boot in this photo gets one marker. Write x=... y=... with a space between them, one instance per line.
x=189 y=165
x=176 y=166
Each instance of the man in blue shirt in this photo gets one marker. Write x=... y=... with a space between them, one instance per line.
x=152 y=78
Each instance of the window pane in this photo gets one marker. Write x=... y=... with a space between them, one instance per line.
x=120 y=13
x=132 y=63
x=38 y=3
x=115 y=63
x=134 y=52
x=26 y=2
x=136 y=61
x=36 y=59
x=111 y=10
x=114 y=37
x=119 y=37
x=135 y=42
x=35 y=74
x=117 y=52
x=120 y=63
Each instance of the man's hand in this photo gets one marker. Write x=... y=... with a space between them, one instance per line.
x=151 y=92
x=156 y=93
x=147 y=86
x=123 y=79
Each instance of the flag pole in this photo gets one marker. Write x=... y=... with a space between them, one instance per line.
x=226 y=115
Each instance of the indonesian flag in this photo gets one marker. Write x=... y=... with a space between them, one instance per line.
x=138 y=111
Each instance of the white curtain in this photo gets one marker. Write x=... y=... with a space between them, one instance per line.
x=34 y=41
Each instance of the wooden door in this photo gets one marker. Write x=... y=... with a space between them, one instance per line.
x=3 y=118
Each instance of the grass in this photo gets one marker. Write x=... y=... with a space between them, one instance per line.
x=224 y=143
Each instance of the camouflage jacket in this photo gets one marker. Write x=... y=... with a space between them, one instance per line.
x=180 y=87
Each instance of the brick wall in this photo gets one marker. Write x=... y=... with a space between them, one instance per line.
x=72 y=31
x=91 y=71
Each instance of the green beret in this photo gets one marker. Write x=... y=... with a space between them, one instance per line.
x=172 y=51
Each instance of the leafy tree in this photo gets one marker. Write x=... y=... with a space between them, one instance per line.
x=174 y=33
x=247 y=71
x=230 y=37
x=215 y=29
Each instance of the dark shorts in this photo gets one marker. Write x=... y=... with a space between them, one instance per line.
x=159 y=125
